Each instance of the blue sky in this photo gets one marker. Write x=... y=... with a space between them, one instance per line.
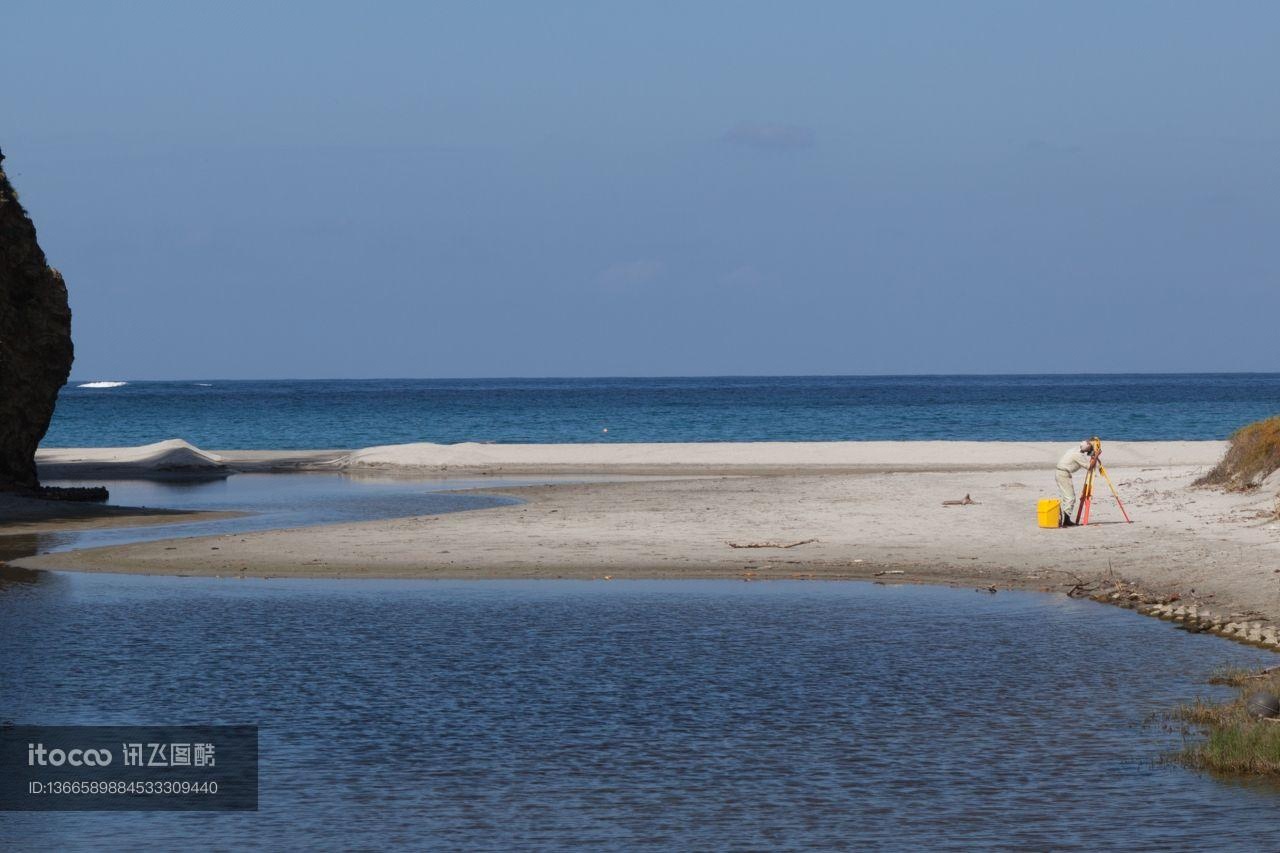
x=590 y=189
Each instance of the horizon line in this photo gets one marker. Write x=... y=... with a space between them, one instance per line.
x=685 y=376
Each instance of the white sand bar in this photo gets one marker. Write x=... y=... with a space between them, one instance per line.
x=878 y=510
x=904 y=455
x=173 y=456
x=176 y=457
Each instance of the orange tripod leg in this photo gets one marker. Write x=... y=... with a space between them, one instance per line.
x=1086 y=498
x=1115 y=494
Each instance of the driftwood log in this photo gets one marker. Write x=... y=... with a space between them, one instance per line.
x=771 y=544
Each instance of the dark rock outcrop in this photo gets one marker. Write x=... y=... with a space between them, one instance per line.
x=35 y=342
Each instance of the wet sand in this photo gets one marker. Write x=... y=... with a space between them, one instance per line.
x=883 y=520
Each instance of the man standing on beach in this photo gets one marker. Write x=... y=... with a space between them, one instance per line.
x=1072 y=461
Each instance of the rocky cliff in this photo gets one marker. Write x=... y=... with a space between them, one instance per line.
x=35 y=341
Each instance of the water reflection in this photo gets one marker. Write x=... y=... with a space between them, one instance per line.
x=14 y=576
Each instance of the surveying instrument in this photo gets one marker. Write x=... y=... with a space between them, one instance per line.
x=1086 y=492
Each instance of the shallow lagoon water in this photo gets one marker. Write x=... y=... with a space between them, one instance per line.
x=270 y=501
x=704 y=714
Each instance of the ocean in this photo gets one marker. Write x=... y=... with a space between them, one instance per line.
x=293 y=414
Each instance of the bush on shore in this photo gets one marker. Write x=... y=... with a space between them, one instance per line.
x=1253 y=454
x=1234 y=741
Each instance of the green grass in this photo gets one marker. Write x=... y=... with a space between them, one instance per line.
x=1233 y=676
x=1253 y=453
x=1231 y=741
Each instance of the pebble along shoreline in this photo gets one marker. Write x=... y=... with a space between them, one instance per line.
x=1194 y=618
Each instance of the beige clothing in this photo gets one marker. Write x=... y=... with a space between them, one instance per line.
x=1073 y=460
x=1066 y=492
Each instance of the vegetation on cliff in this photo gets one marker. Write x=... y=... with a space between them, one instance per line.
x=1253 y=455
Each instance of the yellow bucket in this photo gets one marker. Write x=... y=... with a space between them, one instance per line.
x=1049 y=512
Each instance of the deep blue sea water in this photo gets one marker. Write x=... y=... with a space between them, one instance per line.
x=358 y=413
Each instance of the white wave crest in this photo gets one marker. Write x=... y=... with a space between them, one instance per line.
x=101 y=384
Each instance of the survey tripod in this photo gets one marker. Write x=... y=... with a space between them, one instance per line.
x=1086 y=492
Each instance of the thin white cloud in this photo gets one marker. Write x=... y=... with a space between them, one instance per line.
x=770 y=136
x=744 y=276
x=630 y=274
x=1050 y=146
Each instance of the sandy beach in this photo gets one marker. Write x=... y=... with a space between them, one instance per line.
x=871 y=510
x=176 y=458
